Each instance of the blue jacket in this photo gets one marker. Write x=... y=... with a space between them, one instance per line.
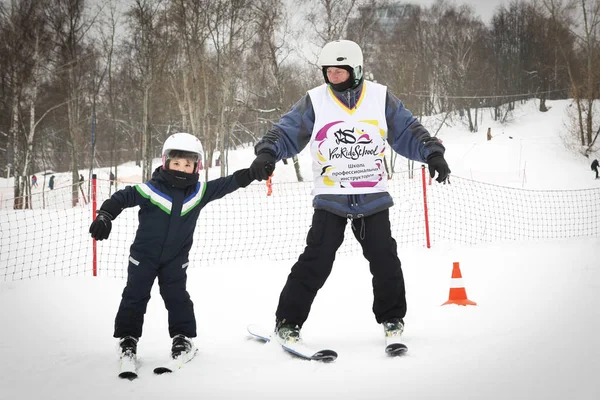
x=168 y=214
x=406 y=136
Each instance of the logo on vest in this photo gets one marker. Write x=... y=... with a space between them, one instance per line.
x=350 y=155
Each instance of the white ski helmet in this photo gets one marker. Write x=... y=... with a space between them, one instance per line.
x=183 y=142
x=342 y=53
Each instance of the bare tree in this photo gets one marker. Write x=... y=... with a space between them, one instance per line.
x=27 y=41
x=583 y=76
x=144 y=20
x=70 y=27
x=231 y=31
x=270 y=93
x=589 y=41
x=189 y=65
x=108 y=38
x=457 y=35
x=17 y=53
x=328 y=18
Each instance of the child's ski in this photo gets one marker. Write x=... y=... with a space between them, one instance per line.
x=394 y=346
x=176 y=363
x=128 y=367
x=296 y=348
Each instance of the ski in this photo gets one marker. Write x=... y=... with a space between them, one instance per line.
x=128 y=367
x=394 y=347
x=303 y=351
x=176 y=363
x=298 y=349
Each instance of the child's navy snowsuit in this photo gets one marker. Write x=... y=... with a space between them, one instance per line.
x=167 y=220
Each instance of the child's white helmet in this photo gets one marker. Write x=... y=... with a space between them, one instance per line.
x=342 y=53
x=183 y=142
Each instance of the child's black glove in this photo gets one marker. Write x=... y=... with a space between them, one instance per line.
x=263 y=166
x=100 y=228
x=436 y=162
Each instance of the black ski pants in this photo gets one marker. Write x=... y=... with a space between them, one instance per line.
x=314 y=265
x=172 y=279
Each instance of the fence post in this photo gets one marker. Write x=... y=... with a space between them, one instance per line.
x=94 y=254
x=424 y=179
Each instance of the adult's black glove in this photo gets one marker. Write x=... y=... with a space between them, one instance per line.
x=436 y=162
x=263 y=166
x=100 y=228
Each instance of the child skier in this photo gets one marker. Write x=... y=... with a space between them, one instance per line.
x=169 y=207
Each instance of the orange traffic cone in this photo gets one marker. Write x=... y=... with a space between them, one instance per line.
x=458 y=294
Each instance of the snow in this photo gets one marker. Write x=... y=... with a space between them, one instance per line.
x=533 y=333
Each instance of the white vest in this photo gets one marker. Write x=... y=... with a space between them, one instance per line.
x=347 y=145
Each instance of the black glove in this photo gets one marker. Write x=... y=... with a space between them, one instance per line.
x=100 y=228
x=437 y=163
x=263 y=166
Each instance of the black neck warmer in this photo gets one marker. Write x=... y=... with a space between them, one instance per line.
x=347 y=84
x=179 y=179
x=340 y=87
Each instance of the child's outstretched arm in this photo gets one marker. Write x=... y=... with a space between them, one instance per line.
x=220 y=187
x=244 y=177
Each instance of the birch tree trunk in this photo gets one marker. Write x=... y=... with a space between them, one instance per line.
x=26 y=171
x=146 y=137
x=73 y=112
x=13 y=135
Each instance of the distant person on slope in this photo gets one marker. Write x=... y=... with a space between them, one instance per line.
x=595 y=167
x=51 y=183
x=347 y=123
x=170 y=204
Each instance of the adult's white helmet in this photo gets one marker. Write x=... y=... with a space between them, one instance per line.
x=183 y=145
x=343 y=53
